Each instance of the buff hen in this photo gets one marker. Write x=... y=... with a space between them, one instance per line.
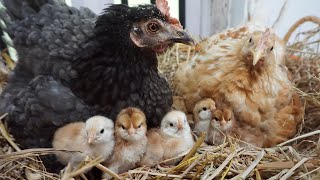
x=243 y=69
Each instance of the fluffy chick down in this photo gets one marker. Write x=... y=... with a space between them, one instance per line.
x=173 y=138
x=93 y=138
x=131 y=141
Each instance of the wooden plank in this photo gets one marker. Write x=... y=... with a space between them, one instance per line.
x=310 y=164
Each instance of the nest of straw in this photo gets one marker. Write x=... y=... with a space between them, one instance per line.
x=296 y=158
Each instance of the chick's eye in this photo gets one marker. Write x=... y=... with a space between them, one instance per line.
x=271 y=48
x=171 y=124
x=101 y=131
x=140 y=126
x=204 y=108
x=153 y=27
x=250 y=40
x=122 y=126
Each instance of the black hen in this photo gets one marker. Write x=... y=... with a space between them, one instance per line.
x=71 y=67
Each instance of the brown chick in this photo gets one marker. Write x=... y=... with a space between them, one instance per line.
x=244 y=69
x=222 y=124
x=131 y=141
x=202 y=113
x=93 y=138
x=173 y=138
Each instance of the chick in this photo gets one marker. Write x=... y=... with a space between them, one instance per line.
x=173 y=138
x=131 y=141
x=176 y=133
x=92 y=138
x=202 y=116
x=222 y=124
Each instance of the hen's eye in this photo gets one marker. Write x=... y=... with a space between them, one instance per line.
x=271 y=48
x=250 y=40
x=122 y=126
x=140 y=126
x=153 y=27
x=171 y=124
x=101 y=131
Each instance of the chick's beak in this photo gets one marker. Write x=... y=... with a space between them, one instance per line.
x=180 y=125
x=256 y=57
x=92 y=137
x=131 y=131
x=223 y=123
x=181 y=36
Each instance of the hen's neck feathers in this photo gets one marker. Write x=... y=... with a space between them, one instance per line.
x=235 y=69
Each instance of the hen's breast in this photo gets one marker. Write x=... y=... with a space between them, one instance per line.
x=110 y=84
x=157 y=98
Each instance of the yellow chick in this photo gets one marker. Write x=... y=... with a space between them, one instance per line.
x=92 y=138
x=173 y=138
x=202 y=113
x=131 y=141
x=176 y=133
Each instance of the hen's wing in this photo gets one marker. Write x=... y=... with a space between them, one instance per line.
x=38 y=110
x=43 y=30
x=285 y=123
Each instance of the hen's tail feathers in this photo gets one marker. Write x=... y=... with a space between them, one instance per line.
x=313 y=19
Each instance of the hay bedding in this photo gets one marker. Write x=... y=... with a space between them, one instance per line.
x=298 y=158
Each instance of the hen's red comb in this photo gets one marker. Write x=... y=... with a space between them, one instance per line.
x=164 y=8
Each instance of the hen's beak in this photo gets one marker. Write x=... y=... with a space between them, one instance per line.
x=92 y=137
x=256 y=57
x=180 y=36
